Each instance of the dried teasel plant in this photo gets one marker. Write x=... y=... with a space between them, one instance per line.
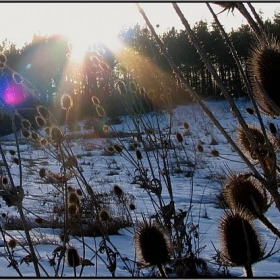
x=241 y=191
x=241 y=243
x=265 y=74
x=152 y=245
x=260 y=139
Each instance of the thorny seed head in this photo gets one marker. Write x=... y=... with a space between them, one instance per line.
x=272 y=128
x=64 y=237
x=4 y=180
x=43 y=111
x=264 y=67
x=12 y=243
x=3 y=58
x=25 y=133
x=118 y=190
x=132 y=206
x=73 y=258
x=42 y=172
x=100 y=111
x=138 y=155
x=104 y=215
x=215 y=153
x=25 y=124
x=34 y=135
x=186 y=125
x=200 y=148
x=152 y=244
x=118 y=148
x=66 y=102
x=239 y=237
x=95 y=100
x=179 y=137
x=56 y=134
x=259 y=139
x=247 y=194
x=12 y=152
x=43 y=141
x=40 y=121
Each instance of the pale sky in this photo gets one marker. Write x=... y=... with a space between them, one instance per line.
x=88 y=22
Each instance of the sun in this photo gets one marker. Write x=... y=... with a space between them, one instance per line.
x=81 y=41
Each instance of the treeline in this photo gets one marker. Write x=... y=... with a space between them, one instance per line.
x=48 y=70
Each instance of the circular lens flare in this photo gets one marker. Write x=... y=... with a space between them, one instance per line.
x=14 y=94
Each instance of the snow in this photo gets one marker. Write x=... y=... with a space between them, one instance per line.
x=104 y=171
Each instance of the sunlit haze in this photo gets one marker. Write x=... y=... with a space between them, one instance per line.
x=85 y=23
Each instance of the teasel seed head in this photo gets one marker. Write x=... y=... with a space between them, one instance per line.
x=132 y=206
x=12 y=243
x=3 y=58
x=241 y=192
x=250 y=111
x=40 y=121
x=43 y=141
x=272 y=128
x=238 y=238
x=264 y=67
x=179 y=137
x=64 y=237
x=200 y=148
x=121 y=87
x=25 y=124
x=95 y=100
x=104 y=215
x=215 y=153
x=138 y=155
x=16 y=160
x=34 y=135
x=56 y=135
x=72 y=256
x=12 y=152
x=111 y=149
x=259 y=139
x=66 y=102
x=118 y=191
x=73 y=198
x=79 y=192
x=118 y=148
x=186 y=125
x=42 y=172
x=4 y=180
x=152 y=244
x=43 y=111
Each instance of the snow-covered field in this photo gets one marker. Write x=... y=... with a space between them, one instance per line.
x=104 y=171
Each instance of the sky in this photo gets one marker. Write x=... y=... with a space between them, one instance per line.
x=90 y=22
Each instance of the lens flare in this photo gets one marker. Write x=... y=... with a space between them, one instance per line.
x=14 y=94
